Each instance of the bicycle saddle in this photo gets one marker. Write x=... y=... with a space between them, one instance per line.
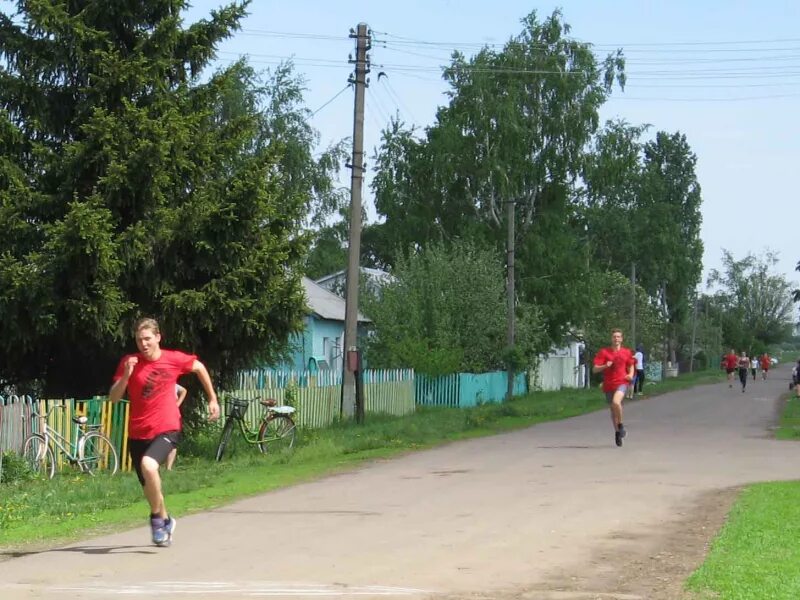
x=80 y=420
x=269 y=402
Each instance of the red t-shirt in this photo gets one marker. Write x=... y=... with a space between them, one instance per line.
x=616 y=374
x=731 y=361
x=151 y=391
x=765 y=362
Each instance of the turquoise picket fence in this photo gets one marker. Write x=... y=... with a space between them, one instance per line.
x=462 y=390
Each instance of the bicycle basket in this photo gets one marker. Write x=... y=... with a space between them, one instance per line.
x=236 y=408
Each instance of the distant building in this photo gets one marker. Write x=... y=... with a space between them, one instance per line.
x=319 y=346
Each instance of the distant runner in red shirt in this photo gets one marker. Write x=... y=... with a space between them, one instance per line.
x=766 y=363
x=617 y=365
x=150 y=377
x=730 y=361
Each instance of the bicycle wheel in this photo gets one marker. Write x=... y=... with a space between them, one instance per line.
x=39 y=456
x=227 y=431
x=276 y=432
x=96 y=452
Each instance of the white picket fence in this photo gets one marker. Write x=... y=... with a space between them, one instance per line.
x=555 y=373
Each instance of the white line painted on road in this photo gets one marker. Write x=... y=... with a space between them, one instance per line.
x=239 y=589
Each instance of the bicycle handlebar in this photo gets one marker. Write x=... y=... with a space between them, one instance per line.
x=35 y=410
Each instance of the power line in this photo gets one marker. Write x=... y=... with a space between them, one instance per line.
x=631 y=60
x=398 y=39
x=293 y=59
x=709 y=42
x=397 y=98
x=339 y=93
x=784 y=72
x=297 y=35
x=765 y=63
x=726 y=99
x=753 y=45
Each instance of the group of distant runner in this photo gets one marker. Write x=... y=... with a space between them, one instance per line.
x=744 y=365
x=621 y=368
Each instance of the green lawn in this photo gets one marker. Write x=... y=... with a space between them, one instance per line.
x=789 y=426
x=73 y=505
x=757 y=554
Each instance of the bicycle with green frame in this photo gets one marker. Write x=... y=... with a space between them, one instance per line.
x=91 y=451
x=276 y=429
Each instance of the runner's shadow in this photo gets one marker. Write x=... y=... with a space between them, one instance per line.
x=84 y=550
x=573 y=447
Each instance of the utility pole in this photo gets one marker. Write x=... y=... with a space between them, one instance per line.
x=633 y=305
x=510 y=292
x=694 y=334
x=665 y=313
x=359 y=80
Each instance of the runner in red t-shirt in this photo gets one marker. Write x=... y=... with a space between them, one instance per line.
x=730 y=361
x=617 y=365
x=150 y=377
x=766 y=363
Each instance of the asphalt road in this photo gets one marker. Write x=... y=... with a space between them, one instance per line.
x=544 y=512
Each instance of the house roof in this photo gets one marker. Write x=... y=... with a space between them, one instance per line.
x=325 y=304
x=376 y=274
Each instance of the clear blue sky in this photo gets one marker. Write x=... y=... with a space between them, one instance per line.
x=737 y=103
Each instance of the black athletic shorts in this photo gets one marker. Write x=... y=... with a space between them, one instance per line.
x=157 y=448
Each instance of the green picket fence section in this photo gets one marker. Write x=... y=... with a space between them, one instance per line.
x=463 y=390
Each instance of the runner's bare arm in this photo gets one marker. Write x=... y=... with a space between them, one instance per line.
x=200 y=370
x=182 y=391
x=120 y=385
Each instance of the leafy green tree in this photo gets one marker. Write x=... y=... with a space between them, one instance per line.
x=306 y=173
x=328 y=252
x=641 y=205
x=611 y=308
x=129 y=186
x=445 y=312
x=755 y=303
x=670 y=251
x=612 y=176
x=515 y=130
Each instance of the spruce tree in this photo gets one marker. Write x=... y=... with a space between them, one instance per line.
x=129 y=187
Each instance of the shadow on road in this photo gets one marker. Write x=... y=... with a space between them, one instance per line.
x=599 y=447
x=84 y=550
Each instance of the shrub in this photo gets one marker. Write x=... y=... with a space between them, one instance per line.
x=14 y=468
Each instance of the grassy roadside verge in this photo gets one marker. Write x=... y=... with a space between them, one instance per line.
x=789 y=424
x=756 y=554
x=38 y=512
